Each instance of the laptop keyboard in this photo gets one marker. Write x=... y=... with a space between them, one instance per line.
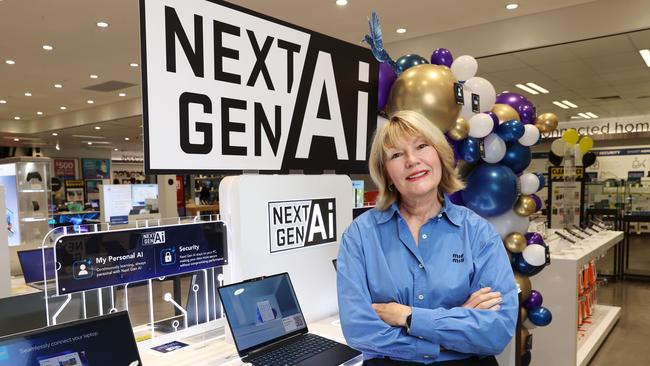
x=295 y=352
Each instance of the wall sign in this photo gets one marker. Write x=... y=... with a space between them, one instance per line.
x=96 y=168
x=96 y=260
x=297 y=224
x=225 y=88
x=605 y=126
x=64 y=168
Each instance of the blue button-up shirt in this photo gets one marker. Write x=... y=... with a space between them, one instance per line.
x=459 y=252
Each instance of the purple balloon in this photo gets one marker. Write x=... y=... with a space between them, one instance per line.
x=534 y=300
x=534 y=238
x=538 y=201
x=457 y=198
x=525 y=109
x=442 y=56
x=527 y=113
x=495 y=120
x=386 y=79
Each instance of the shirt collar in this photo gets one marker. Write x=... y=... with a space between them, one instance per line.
x=449 y=209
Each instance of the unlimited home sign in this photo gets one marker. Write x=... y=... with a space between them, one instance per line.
x=225 y=88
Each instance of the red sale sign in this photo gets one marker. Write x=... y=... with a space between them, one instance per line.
x=64 y=168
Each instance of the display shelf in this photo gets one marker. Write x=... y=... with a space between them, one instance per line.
x=602 y=322
x=557 y=344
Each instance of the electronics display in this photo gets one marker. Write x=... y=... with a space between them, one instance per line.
x=31 y=261
x=101 y=341
x=34 y=175
x=140 y=192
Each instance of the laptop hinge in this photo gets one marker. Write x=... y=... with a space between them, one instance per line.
x=252 y=353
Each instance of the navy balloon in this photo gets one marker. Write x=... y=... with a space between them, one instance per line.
x=457 y=198
x=511 y=130
x=409 y=60
x=517 y=157
x=540 y=316
x=442 y=56
x=469 y=150
x=542 y=180
x=523 y=267
x=491 y=189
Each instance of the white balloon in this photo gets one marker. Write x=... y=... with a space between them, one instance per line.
x=528 y=324
x=480 y=125
x=530 y=137
x=466 y=110
x=529 y=183
x=485 y=90
x=535 y=255
x=558 y=147
x=380 y=121
x=578 y=154
x=464 y=67
x=494 y=147
x=509 y=222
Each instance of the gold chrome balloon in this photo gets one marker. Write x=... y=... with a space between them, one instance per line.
x=505 y=112
x=525 y=205
x=515 y=243
x=522 y=339
x=459 y=130
x=546 y=122
x=523 y=314
x=429 y=90
x=524 y=285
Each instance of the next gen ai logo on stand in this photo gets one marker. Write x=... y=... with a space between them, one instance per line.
x=153 y=238
x=297 y=224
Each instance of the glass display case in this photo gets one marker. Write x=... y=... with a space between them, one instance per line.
x=607 y=194
x=637 y=203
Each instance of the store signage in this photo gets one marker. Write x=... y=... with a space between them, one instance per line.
x=604 y=126
x=101 y=259
x=557 y=173
x=225 y=88
x=64 y=168
x=298 y=224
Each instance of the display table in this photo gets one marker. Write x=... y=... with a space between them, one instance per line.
x=212 y=349
x=19 y=287
x=559 y=344
x=193 y=209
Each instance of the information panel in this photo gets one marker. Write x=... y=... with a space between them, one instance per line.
x=95 y=260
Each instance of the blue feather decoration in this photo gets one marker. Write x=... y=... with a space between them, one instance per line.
x=376 y=43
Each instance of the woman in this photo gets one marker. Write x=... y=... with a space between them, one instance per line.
x=420 y=279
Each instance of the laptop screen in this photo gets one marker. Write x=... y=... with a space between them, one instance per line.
x=82 y=343
x=262 y=311
x=31 y=261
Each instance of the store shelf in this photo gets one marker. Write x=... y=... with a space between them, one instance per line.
x=33 y=190
x=602 y=322
x=592 y=247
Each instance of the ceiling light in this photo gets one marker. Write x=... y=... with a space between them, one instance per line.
x=644 y=53
x=63 y=108
x=58 y=86
x=93 y=76
x=28 y=94
x=341 y=2
x=90 y=142
x=584 y=115
x=90 y=101
x=538 y=88
x=122 y=94
x=592 y=115
x=57 y=147
x=527 y=89
x=560 y=104
x=3 y=101
x=47 y=47
x=133 y=64
x=569 y=104
x=400 y=30
x=116 y=149
x=55 y=134
x=98 y=128
x=512 y=6
x=126 y=139
x=10 y=62
x=102 y=24
x=575 y=117
x=39 y=113
x=16 y=140
x=16 y=118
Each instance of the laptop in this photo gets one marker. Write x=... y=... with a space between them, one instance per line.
x=100 y=341
x=31 y=262
x=269 y=328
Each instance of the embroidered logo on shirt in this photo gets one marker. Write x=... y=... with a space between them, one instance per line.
x=458 y=258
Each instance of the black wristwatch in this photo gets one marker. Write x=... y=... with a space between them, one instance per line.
x=408 y=324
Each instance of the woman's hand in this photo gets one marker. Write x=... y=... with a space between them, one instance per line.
x=392 y=313
x=484 y=299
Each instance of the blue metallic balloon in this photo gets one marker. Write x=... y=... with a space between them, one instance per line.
x=540 y=316
x=520 y=265
x=409 y=60
x=491 y=190
x=542 y=180
x=468 y=150
x=517 y=157
x=511 y=130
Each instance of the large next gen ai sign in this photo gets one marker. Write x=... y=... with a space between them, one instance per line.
x=225 y=88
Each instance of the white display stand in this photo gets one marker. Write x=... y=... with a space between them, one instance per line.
x=244 y=205
x=5 y=278
x=557 y=344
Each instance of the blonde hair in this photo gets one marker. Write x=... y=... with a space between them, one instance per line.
x=404 y=124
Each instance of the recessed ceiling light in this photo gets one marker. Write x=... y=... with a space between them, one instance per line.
x=569 y=104
x=575 y=117
x=93 y=76
x=512 y=6
x=133 y=64
x=90 y=142
x=47 y=47
x=341 y=2
x=583 y=115
x=400 y=30
x=122 y=94
x=55 y=134
x=90 y=101
x=98 y=128
x=527 y=89
x=116 y=149
x=538 y=88
x=58 y=86
x=63 y=108
x=16 y=118
x=16 y=140
x=592 y=115
x=126 y=139
x=10 y=62
x=3 y=101
x=39 y=113
x=560 y=104
x=102 y=24
x=28 y=94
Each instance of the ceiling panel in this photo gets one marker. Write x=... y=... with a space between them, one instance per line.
x=601 y=46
